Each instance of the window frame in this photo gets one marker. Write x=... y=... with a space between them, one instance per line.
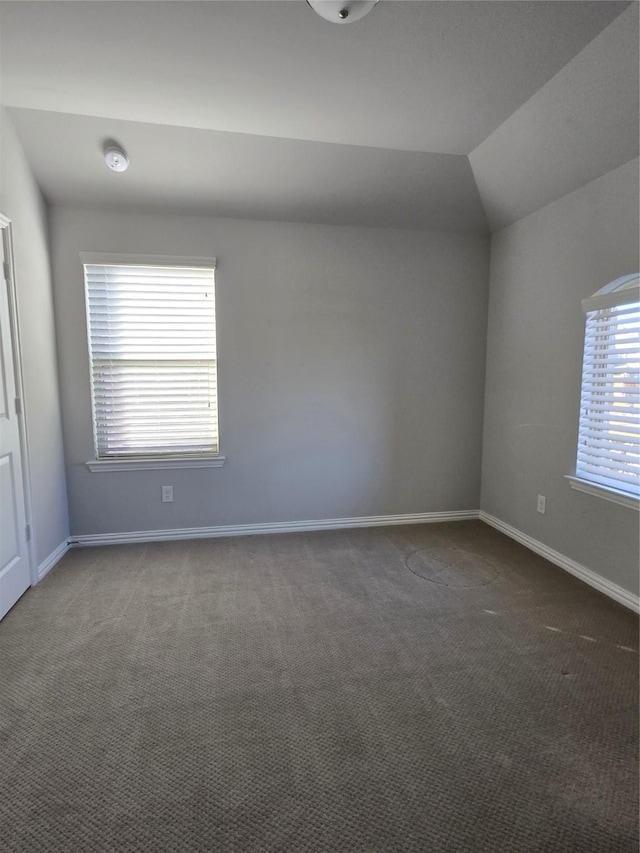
x=152 y=461
x=611 y=295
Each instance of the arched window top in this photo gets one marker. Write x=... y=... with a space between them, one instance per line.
x=619 y=292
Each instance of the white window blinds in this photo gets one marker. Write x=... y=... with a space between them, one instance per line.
x=609 y=433
x=152 y=343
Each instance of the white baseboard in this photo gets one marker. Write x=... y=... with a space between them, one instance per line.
x=54 y=557
x=618 y=593
x=274 y=527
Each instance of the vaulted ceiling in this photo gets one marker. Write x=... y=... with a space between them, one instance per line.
x=448 y=115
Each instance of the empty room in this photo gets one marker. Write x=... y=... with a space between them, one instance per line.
x=319 y=426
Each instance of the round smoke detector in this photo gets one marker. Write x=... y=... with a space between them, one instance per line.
x=116 y=159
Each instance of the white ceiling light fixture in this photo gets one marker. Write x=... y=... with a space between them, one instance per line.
x=342 y=11
x=116 y=158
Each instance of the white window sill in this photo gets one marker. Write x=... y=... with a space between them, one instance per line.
x=148 y=463
x=603 y=492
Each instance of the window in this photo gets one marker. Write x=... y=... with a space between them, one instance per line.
x=152 y=345
x=608 y=457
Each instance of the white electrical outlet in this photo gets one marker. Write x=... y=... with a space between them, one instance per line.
x=167 y=494
x=542 y=504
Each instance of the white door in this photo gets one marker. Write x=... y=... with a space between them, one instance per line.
x=14 y=557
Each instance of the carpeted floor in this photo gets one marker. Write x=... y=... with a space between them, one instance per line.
x=427 y=688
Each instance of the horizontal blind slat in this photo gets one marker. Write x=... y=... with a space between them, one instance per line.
x=629 y=487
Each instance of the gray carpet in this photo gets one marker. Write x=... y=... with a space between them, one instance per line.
x=425 y=688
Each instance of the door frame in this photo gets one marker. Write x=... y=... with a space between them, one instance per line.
x=6 y=234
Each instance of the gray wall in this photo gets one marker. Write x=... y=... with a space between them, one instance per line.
x=21 y=201
x=580 y=125
x=541 y=268
x=351 y=372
